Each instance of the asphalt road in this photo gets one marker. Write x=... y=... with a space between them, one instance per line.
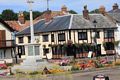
x=114 y=74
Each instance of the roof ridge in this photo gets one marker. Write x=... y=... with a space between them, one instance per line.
x=62 y=16
x=70 y=25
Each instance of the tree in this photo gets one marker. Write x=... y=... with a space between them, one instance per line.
x=0 y=16
x=35 y=14
x=26 y=15
x=9 y=15
x=94 y=11
x=72 y=12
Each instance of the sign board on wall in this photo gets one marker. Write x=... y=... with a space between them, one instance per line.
x=90 y=54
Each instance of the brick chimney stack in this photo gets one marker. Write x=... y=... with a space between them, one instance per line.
x=115 y=6
x=86 y=13
x=48 y=15
x=21 y=18
x=102 y=10
x=64 y=10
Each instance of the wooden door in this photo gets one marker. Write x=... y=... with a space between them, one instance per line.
x=98 y=50
x=2 y=38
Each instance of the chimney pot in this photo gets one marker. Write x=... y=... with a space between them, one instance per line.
x=102 y=10
x=21 y=18
x=115 y=6
x=48 y=15
x=64 y=10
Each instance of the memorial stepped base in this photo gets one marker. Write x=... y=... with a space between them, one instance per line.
x=33 y=64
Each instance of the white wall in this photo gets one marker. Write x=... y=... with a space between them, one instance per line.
x=117 y=36
x=8 y=32
x=7 y=57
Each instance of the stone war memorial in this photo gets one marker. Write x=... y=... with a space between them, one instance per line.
x=33 y=61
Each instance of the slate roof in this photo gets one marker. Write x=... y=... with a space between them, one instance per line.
x=114 y=11
x=19 y=27
x=58 y=23
x=102 y=22
x=115 y=14
x=70 y=22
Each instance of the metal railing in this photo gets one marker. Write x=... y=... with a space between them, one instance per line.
x=7 y=43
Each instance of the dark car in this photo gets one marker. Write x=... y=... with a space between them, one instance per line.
x=100 y=77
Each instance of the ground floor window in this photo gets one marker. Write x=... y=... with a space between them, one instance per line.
x=21 y=50
x=76 y=50
x=37 y=51
x=58 y=51
x=108 y=45
x=45 y=50
x=1 y=54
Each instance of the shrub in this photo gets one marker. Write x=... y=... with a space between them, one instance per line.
x=74 y=68
x=34 y=73
x=9 y=64
x=3 y=66
x=98 y=64
x=117 y=63
x=53 y=71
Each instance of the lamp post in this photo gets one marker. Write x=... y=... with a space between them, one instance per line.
x=95 y=40
x=47 y=5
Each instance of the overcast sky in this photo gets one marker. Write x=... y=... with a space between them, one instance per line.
x=40 y=5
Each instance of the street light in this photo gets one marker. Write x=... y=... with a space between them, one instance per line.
x=95 y=40
x=48 y=5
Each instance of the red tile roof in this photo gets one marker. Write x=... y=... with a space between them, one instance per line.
x=13 y=24
x=18 y=27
